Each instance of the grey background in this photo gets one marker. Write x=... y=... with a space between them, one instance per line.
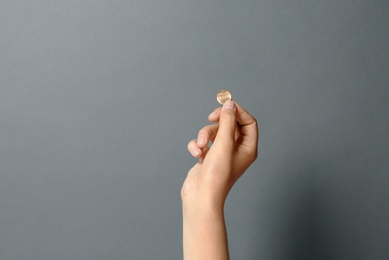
x=98 y=100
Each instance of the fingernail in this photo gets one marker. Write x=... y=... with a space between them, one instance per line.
x=229 y=105
x=195 y=152
x=201 y=140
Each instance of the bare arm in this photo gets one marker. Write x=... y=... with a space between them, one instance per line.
x=234 y=149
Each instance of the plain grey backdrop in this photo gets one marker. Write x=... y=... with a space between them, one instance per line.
x=98 y=100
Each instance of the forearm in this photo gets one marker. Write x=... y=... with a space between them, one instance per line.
x=204 y=233
x=206 y=187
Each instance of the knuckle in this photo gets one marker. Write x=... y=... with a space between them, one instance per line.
x=204 y=131
x=208 y=131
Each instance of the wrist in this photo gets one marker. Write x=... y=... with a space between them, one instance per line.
x=200 y=211
x=199 y=203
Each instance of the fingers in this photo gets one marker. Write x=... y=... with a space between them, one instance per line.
x=214 y=116
x=206 y=134
x=248 y=125
x=195 y=151
x=248 y=129
x=243 y=117
x=225 y=137
x=226 y=132
x=198 y=147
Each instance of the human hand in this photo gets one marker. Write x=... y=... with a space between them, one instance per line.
x=233 y=150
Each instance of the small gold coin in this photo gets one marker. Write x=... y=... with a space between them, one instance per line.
x=223 y=96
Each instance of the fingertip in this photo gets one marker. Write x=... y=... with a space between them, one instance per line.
x=201 y=140
x=228 y=111
x=227 y=125
x=229 y=105
x=214 y=116
x=193 y=149
x=196 y=152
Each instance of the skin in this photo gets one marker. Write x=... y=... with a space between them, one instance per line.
x=234 y=140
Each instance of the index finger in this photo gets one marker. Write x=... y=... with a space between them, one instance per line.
x=249 y=127
x=244 y=118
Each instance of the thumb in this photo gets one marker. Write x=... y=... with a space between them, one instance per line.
x=225 y=138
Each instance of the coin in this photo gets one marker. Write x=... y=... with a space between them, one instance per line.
x=223 y=96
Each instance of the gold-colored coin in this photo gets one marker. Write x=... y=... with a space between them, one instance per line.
x=223 y=96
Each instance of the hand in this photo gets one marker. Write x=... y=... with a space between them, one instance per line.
x=234 y=149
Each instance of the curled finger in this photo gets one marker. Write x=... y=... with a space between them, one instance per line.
x=206 y=134
x=215 y=115
x=195 y=150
